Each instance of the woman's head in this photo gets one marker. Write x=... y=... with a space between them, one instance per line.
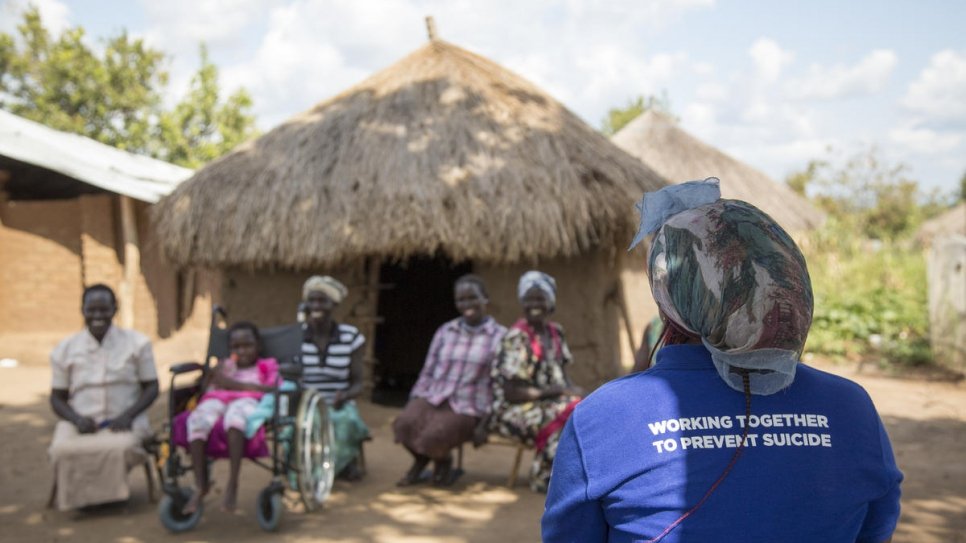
x=537 y=293
x=321 y=294
x=727 y=273
x=98 y=305
x=469 y=293
x=244 y=343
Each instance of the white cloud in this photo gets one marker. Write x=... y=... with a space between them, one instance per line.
x=179 y=23
x=924 y=140
x=55 y=14
x=712 y=91
x=313 y=49
x=938 y=96
x=868 y=76
x=769 y=59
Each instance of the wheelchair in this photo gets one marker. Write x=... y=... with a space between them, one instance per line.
x=298 y=437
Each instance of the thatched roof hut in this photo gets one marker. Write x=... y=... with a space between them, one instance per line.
x=442 y=151
x=440 y=164
x=678 y=156
x=949 y=223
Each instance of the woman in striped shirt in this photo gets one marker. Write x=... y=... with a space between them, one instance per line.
x=332 y=365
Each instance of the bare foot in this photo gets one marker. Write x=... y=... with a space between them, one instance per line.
x=230 y=501
x=194 y=502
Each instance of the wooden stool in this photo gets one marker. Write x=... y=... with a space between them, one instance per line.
x=495 y=439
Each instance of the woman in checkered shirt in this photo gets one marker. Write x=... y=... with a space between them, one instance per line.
x=450 y=402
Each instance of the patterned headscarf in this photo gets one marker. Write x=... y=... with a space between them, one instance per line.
x=724 y=271
x=540 y=280
x=329 y=286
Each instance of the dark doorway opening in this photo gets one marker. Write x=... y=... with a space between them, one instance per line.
x=415 y=298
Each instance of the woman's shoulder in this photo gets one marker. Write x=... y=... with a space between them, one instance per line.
x=836 y=387
x=346 y=329
x=514 y=335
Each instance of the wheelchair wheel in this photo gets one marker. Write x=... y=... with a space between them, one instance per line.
x=169 y=510
x=268 y=508
x=314 y=451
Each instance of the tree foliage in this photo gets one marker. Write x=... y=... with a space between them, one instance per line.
x=869 y=280
x=114 y=94
x=876 y=199
x=620 y=117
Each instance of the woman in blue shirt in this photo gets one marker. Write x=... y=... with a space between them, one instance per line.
x=728 y=437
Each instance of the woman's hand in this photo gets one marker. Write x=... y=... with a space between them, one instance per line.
x=553 y=391
x=574 y=390
x=85 y=425
x=121 y=424
x=339 y=401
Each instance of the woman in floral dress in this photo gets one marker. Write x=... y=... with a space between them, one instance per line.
x=532 y=395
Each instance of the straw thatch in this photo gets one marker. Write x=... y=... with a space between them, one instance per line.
x=678 y=156
x=443 y=151
x=952 y=222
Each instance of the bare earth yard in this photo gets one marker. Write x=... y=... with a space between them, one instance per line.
x=926 y=420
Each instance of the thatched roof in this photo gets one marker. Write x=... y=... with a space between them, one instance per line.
x=678 y=156
x=952 y=222
x=442 y=151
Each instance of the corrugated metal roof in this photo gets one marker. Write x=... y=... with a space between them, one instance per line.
x=140 y=177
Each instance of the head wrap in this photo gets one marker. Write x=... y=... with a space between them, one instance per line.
x=540 y=280
x=329 y=286
x=726 y=272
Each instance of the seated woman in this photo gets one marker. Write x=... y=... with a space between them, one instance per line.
x=237 y=384
x=103 y=379
x=332 y=365
x=532 y=395
x=450 y=402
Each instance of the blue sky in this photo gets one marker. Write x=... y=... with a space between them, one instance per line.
x=773 y=83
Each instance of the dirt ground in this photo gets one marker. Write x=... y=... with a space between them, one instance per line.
x=926 y=420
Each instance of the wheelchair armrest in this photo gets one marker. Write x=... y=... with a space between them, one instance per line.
x=290 y=371
x=186 y=367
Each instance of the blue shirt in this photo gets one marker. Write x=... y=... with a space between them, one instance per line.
x=642 y=450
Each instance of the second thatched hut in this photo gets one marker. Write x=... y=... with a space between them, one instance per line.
x=441 y=164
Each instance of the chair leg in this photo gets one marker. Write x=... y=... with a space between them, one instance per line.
x=149 y=477
x=361 y=459
x=53 y=493
x=459 y=457
x=516 y=467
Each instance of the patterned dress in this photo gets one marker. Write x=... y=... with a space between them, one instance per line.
x=536 y=423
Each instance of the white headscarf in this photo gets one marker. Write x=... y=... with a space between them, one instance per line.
x=329 y=286
x=540 y=280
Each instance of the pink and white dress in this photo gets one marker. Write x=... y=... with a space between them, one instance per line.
x=232 y=406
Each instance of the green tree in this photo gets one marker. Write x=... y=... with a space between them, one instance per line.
x=618 y=118
x=201 y=128
x=876 y=199
x=800 y=181
x=63 y=84
x=962 y=188
x=115 y=95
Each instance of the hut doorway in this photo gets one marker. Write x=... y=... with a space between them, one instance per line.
x=416 y=298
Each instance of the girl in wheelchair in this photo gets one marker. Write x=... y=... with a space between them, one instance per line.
x=235 y=387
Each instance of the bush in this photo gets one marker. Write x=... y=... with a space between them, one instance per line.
x=870 y=297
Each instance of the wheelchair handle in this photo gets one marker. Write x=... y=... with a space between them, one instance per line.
x=185 y=367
